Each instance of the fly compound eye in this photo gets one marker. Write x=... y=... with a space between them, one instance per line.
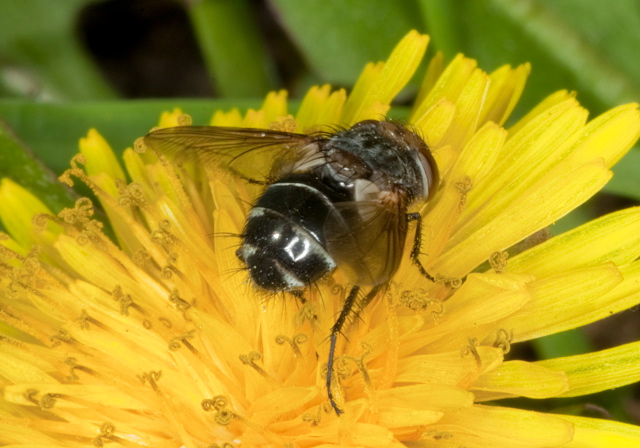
x=365 y=124
x=429 y=174
x=390 y=130
x=240 y=253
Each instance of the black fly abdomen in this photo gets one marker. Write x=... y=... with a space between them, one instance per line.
x=331 y=201
x=284 y=240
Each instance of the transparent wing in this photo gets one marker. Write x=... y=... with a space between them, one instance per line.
x=369 y=242
x=248 y=153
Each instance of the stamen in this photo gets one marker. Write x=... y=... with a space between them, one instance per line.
x=463 y=188
x=185 y=120
x=23 y=278
x=141 y=257
x=166 y=322
x=131 y=194
x=503 y=340
x=73 y=365
x=40 y=221
x=470 y=349
x=75 y=170
x=48 y=401
x=60 y=337
x=125 y=300
x=176 y=343
x=498 y=261
x=338 y=290
x=437 y=435
x=224 y=417
x=300 y=338
x=454 y=282
x=251 y=359
x=152 y=377
x=307 y=312
x=107 y=431
x=168 y=271
x=217 y=403
x=387 y=376
x=180 y=304
x=314 y=419
x=84 y=320
x=162 y=236
x=139 y=146
x=419 y=301
x=77 y=221
x=30 y=395
x=368 y=384
x=284 y=124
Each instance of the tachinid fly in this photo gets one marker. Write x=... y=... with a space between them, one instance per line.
x=330 y=201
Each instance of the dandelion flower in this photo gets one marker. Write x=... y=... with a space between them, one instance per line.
x=155 y=337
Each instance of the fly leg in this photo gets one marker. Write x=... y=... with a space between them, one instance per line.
x=348 y=308
x=417 y=244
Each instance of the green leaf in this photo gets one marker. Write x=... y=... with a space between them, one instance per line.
x=567 y=343
x=53 y=130
x=441 y=20
x=41 y=55
x=232 y=48
x=18 y=164
x=338 y=37
x=626 y=176
x=583 y=45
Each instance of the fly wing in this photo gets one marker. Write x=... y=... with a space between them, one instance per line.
x=245 y=152
x=369 y=241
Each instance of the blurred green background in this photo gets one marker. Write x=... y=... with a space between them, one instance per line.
x=69 y=65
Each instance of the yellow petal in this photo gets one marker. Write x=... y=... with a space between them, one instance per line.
x=597 y=371
x=505 y=89
x=433 y=124
x=170 y=119
x=600 y=433
x=434 y=71
x=398 y=417
x=482 y=426
x=275 y=106
x=17 y=211
x=477 y=159
x=468 y=107
x=16 y=370
x=520 y=379
x=68 y=395
x=610 y=135
x=563 y=301
x=614 y=237
x=426 y=396
x=504 y=223
x=469 y=305
x=449 y=368
x=548 y=103
x=272 y=405
x=450 y=84
x=100 y=156
x=528 y=155
x=232 y=118
x=380 y=84
x=321 y=106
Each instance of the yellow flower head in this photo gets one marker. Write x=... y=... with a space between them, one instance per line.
x=153 y=336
